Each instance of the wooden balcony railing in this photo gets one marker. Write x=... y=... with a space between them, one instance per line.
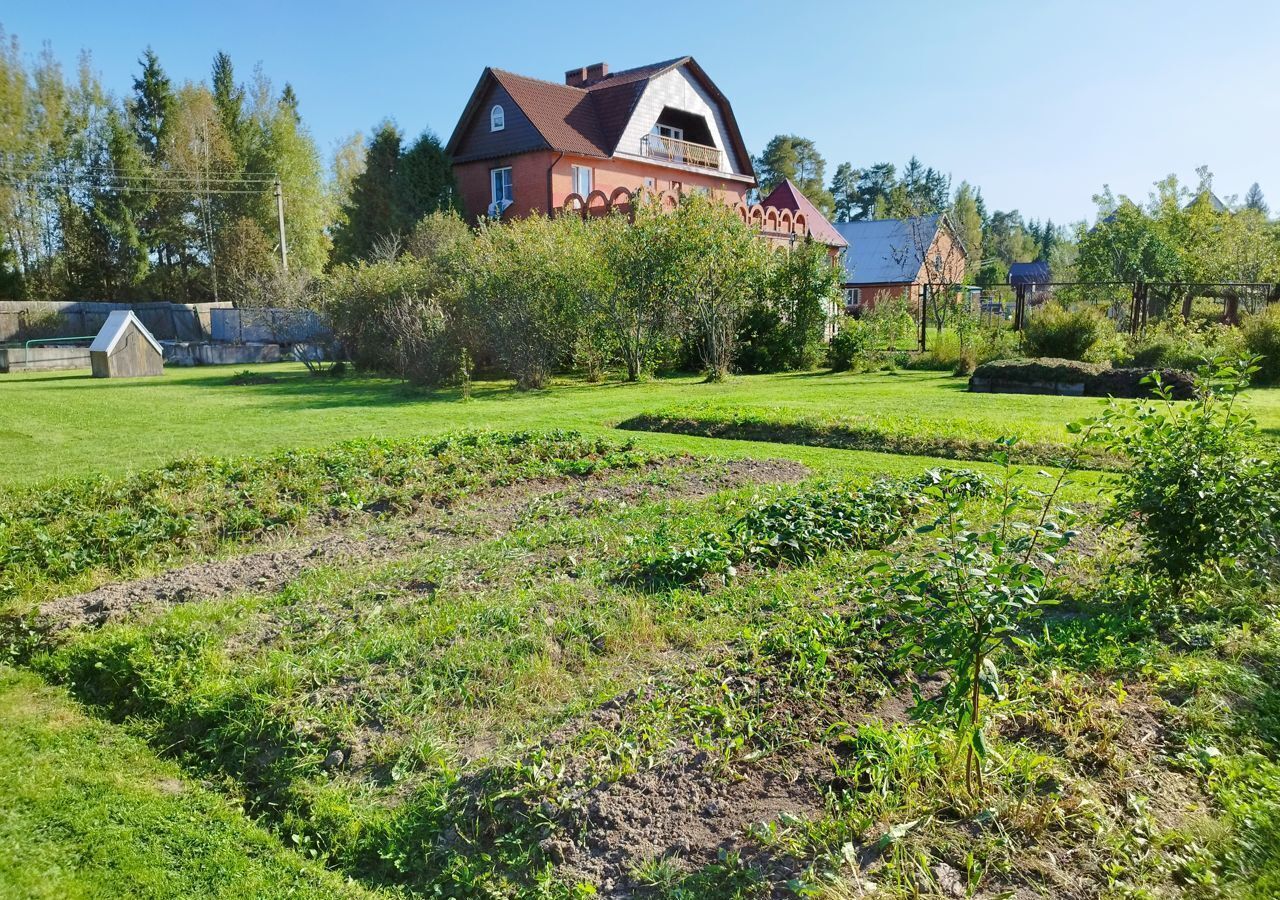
x=682 y=152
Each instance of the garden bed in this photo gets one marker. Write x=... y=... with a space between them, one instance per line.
x=1071 y=378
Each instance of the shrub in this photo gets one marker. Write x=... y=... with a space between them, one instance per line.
x=394 y=316
x=1197 y=488
x=850 y=346
x=763 y=342
x=1262 y=339
x=1056 y=331
x=1175 y=344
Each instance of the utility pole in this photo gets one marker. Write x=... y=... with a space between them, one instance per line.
x=284 y=250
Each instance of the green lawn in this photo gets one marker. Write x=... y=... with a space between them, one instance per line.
x=90 y=812
x=70 y=424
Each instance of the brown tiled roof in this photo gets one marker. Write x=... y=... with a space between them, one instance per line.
x=565 y=116
x=788 y=196
x=590 y=119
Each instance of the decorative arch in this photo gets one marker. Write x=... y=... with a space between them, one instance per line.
x=801 y=225
x=771 y=219
x=785 y=222
x=741 y=209
x=620 y=200
x=574 y=203
x=757 y=215
x=597 y=203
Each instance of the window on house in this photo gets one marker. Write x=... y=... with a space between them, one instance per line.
x=650 y=184
x=676 y=187
x=581 y=181
x=497 y=119
x=701 y=191
x=499 y=190
x=852 y=297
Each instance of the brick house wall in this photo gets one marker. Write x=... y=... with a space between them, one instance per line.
x=541 y=181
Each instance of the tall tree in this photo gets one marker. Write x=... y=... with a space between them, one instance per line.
x=424 y=182
x=967 y=221
x=874 y=187
x=1254 y=200
x=790 y=156
x=844 y=192
x=371 y=211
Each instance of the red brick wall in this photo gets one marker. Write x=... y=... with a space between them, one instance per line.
x=529 y=180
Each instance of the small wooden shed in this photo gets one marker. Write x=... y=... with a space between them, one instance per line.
x=125 y=349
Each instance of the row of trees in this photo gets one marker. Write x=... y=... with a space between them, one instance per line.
x=1179 y=235
x=170 y=191
x=993 y=240
x=678 y=288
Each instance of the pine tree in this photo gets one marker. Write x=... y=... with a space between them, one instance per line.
x=424 y=182
x=789 y=156
x=1254 y=199
x=371 y=211
x=844 y=190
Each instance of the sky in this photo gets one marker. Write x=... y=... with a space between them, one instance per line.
x=1040 y=103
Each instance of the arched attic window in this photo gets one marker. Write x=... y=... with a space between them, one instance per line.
x=497 y=119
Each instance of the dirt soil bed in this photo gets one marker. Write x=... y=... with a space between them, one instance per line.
x=484 y=515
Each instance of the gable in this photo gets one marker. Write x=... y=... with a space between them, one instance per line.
x=475 y=141
x=679 y=89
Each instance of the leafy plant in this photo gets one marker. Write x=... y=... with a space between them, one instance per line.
x=1198 y=489
x=1262 y=338
x=1058 y=332
x=796 y=528
x=976 y=590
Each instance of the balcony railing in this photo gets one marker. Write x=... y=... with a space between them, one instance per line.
x=683 y=152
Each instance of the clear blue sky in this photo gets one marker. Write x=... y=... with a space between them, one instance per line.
x=1039 y=103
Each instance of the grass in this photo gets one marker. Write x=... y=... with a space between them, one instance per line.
x=549 y=663
x=65 y=424
x=88 y=811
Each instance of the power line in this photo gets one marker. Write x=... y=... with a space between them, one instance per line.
x=143 y=189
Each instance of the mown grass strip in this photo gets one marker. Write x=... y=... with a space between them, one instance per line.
x=90 y=812
x=781 y=426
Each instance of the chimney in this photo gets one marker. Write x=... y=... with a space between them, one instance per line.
x=586 y=75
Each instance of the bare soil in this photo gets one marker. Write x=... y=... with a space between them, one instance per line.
x=684 y=811
x=483 y=515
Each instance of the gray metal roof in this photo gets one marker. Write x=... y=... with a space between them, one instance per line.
x=884 y=251
x=1029 y=273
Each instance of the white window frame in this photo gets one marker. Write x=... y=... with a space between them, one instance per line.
x=578 y=173
x=497 y=118
x=501 y=192
x=669 y=131
x=852 y=297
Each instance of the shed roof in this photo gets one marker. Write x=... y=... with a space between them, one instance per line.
x=1029 y=273
x=885 y=251
x=115 y=328
x=787 y=196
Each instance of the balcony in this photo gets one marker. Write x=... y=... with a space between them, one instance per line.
x=682 y=153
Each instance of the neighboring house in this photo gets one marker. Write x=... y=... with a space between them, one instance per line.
x=899 y=258
x=525 y=146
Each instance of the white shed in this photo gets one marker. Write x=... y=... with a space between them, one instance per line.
x=125 y=349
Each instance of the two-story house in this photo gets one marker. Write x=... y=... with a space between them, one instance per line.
x=523 y=145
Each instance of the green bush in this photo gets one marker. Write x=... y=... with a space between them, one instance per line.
x=851 y=345
x=1261 y=333
x=1198 y=488
x=1175 y=344
x=1061 y=333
